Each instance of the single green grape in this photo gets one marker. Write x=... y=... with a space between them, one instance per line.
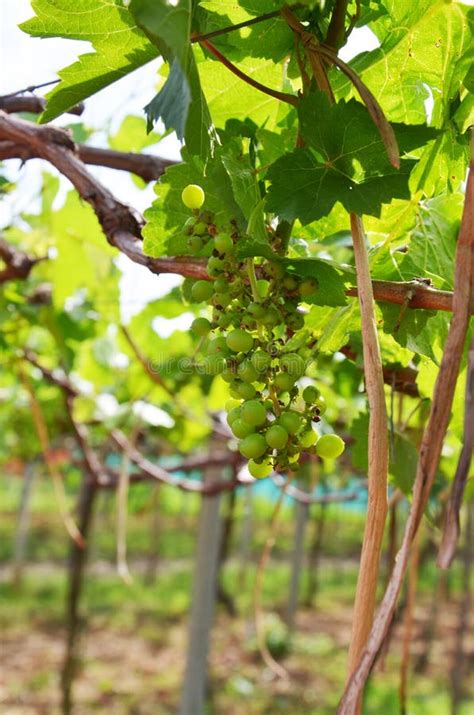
x=257 y=310
x=201 y=326
x=310 y=394
x=293 y=364
x=239 y=341
x=253 y=446
x=276 y=437
x=247 y=372
x=307 y=438
x=290 y=283
x=261 y=360
x=284 y=381
x=223 y=243
x=202 y=291
x=260 y=469
x=195 y=244
x=221 y=285
x=330 y=446
x=199 y=228
x=246 y=391
x=291 y=421
x=215 y=266
x=218 y=346
x=241 y=429
x=193 y=196
x=254 y=412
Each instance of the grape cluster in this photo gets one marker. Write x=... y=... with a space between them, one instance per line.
x=250 y=342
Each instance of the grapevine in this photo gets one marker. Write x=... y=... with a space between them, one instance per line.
x=250 y=342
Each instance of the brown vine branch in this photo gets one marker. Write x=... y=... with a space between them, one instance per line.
x=146 y=166
x=432 y=442
x=364 y=605
x=13 y=103
x=281 y=96
x=162 y=475
x=18 y=264
x=336 y=33
x=451 y=527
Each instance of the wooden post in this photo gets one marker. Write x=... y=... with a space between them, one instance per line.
x=302 y=512
x=203 y=602
x=77 y=562
x=21 y=533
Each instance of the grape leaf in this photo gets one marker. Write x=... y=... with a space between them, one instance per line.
x=330 y=282
x=424 y=52
x=120 y=47
x=345 y=160
x=180 y=103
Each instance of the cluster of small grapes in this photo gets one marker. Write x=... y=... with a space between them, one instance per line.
x=247 y=342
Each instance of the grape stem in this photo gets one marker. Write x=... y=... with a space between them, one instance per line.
x=253 y=279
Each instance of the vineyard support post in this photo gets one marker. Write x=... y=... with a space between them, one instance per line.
x=77 y=562
x=297 y=558
x=21 y=533
x=203 y=602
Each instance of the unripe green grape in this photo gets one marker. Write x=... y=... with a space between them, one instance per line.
x=186 y=289
x=246 y=391
x=223 y=243
x=263 y=287
x=291 y=421
x=261 y=360
x=308 y=438
x=271 y=317
x=234 y=392
x=233 y=415
x=254 y=412
x=308 y=287
x=221 y=285
x=218 y=346
x=310 y=394
x=193 y=196
x=200 y=228
x=293 y=364
x=224 y=321
x=247 y=372
x=195 y=244
x=241 y=429
x=276 y=437
x=330 y=446
x=294 y=458
x=221 y=300
x=260 y=470
x=201 y=326
x=253 y=446
x=215 y=266
x=283 y=381
x=295 y=321
x=202 y=291
x=290 y=283
x=257 y=310
x=227 y=375
x=276 y=270
x=231 y=404
x=239 y=341
x=321 y=405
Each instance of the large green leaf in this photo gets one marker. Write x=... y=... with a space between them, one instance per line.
x=344 y=161
x=120 y=47
x=424 y=51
